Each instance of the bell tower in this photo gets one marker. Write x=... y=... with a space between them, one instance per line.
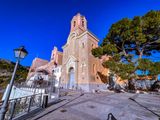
x=78 y=22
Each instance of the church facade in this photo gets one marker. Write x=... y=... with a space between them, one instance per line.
x=79 y=68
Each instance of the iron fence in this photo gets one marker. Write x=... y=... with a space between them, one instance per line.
x=22 y=106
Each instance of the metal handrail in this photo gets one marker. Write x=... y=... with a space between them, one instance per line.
x=21 y=97
x=23 y=105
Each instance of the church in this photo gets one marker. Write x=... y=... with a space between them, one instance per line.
x=79 y=68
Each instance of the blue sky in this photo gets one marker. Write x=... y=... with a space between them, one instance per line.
x=40 y=25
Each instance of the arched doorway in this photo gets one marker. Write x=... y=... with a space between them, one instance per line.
x=71 y=81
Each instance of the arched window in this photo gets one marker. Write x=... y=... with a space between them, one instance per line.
x=94 y=68
x=82 y=45
x=71 y=69
x=82 y=67
x=92 y=45
x=74 y=23
x=82 y=23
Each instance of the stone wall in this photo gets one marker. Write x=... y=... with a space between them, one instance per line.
x=36 y=63
x=39 y=64
x=77 y=55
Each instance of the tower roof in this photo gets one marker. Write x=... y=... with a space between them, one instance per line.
x=78 y=22
x=78 y=14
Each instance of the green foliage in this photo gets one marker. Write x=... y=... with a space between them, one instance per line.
x=109 y=49
x=121 y=69
x=116 y=57
x=97 y=52
x=112 y=65
x=144 y=64
x=128 y=42
x=6 y=69
x=142 y=34
x=149 y=68
x=155 y=69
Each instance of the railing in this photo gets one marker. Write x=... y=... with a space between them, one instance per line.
x=40 y=89
x=46 y=88
x=22 y=106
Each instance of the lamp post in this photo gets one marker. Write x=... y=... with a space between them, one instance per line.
x=20 y=53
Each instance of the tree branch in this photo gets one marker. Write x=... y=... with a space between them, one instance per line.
x=151 y=42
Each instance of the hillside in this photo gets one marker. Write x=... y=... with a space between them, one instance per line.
x=6 y=69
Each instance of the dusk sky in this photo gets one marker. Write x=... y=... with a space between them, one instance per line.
x=41 y=25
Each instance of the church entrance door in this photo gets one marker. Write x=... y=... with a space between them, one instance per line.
x=71 y=82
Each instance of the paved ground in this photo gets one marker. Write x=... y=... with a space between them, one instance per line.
x=98 y=106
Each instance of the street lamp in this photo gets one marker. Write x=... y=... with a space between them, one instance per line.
x=20 y=53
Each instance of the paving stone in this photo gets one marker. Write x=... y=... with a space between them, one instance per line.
x=98 y=106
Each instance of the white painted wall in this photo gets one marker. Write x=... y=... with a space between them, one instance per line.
x=22 y=92
x=57 y=73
